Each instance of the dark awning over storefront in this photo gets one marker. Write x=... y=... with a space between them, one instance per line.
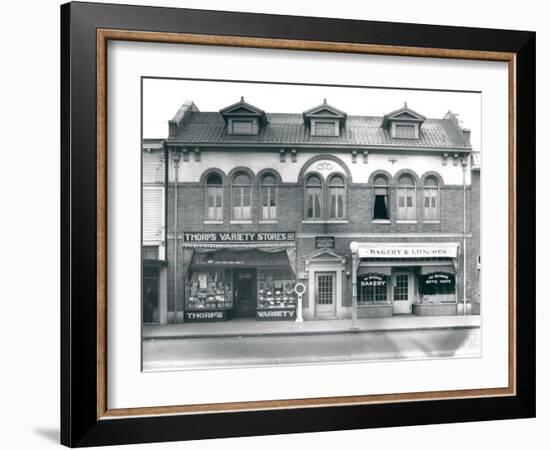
x=239 y=258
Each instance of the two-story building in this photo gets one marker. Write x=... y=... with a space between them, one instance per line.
x=375 y=216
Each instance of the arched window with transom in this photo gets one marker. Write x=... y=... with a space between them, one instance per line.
x=431 y=199
x=406 y=196
x=313 y=197
x=337 y=197
x=214 y=197
x=268 y=197
x=381 y=210
x=241 y=197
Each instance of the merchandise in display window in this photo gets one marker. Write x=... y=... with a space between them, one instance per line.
x=276 y=289
x=209 y=290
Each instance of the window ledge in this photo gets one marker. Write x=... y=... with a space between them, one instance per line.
x=384 y=221
x=237 y=222
x=371 y=304
x=212 y=222
x=263 y=221
x=406 y=221
x=313 y=221
x=431 y=221
x=337 y=221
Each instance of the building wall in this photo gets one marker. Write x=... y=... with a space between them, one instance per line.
x=359 y=199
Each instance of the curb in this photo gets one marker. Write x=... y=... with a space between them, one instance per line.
x=305 y=333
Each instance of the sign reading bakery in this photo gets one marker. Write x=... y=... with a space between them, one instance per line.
x=238 y=237
x=430 y=250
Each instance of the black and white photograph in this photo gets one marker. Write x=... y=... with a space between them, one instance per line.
x=299 y=224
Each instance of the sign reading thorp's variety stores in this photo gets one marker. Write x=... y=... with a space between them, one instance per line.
x=238 y=237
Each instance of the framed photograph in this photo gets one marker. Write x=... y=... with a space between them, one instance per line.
x=278 y=224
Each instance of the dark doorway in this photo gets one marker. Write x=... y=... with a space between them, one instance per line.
x=244 y=293
x=151 y=298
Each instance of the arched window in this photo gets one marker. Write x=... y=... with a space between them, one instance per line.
x=313 y=196
x=268 y=196
x=337 y=197
x=381 y=208
x=241 y=198
x=431 y=199
x=214 y=197
x=406 y=205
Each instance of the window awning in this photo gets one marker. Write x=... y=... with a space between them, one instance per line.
x=407 y=250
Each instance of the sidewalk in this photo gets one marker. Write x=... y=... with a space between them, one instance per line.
x=251 y=327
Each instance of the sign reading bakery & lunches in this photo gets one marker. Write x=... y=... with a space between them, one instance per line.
x=443 y=250
x=238 y=237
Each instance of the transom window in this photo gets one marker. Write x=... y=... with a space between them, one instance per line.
x=313 y=197
x=241 y=198
x=337 y=191
x=268 y=195
x=431 y=199
x=381 y=209
x=214 y=197
x=406 y=205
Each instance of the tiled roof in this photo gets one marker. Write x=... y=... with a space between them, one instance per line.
x=282 y=128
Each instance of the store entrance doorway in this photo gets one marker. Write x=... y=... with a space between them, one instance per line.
x=244 y=293
x=403 y=292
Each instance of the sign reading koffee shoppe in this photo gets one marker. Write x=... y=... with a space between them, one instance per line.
x=406 y=251
x=238 y=237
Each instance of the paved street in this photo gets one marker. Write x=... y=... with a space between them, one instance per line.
x=175 y=354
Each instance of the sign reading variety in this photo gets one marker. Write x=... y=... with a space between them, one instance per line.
x=239 y=237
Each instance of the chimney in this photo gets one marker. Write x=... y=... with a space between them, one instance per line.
x=186 y=109
x=466 y=132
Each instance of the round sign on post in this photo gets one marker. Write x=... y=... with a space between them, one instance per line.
x=299 y=288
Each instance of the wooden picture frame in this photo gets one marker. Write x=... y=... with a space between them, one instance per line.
x=86 y=419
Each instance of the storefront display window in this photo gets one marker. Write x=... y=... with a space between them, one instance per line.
x=276 y=289
x=209 y=289
x=372 y=288
x=438 y=287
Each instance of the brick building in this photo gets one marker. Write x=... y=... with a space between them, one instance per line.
x=375 y=216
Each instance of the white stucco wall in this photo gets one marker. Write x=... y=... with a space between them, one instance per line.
x=192 y=170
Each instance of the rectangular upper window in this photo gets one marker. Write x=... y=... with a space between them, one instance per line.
x=242 y=126
x=405 y=131
x=324 y=128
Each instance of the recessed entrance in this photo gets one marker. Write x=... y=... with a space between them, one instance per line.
x=151 y=299
x=325 y=294
x=244 y=293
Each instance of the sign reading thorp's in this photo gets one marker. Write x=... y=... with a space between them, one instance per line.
x=231 y=236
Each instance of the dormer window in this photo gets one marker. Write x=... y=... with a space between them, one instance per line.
x=325 y=120
x=243 y=126
x=405 y=131
x=403 y=123
x=243 y=118
x=325 y=128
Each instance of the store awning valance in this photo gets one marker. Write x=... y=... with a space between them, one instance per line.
x=364 y=268
x=240 y=258
x=406 y=250
x=239 y=246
